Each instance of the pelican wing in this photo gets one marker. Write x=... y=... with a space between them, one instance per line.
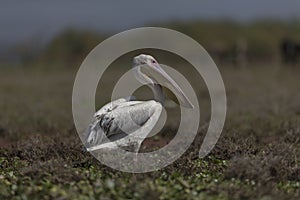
x=113 y=105
x=129 y=118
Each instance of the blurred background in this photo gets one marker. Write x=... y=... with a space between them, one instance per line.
x=65 y=31
x=255 y=44
x=42 y=45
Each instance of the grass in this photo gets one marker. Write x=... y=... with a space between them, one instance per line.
x=257 y=156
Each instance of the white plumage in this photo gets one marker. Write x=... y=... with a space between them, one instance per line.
x=126 y=122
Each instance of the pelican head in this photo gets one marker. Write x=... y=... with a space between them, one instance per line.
x=148 y=71
x=144 y=59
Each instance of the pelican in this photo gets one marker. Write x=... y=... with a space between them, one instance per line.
x=126 y=122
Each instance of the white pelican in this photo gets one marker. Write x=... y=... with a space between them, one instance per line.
x=118 y=118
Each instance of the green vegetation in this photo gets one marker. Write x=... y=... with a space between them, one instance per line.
x=221 y=39
x=71 y=46
x=262 y=38
x=257 y=156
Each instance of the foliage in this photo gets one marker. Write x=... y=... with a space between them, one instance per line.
x=257 y=156
x=71 y=46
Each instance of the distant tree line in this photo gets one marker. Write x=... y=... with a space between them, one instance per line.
x=71 y=46
x=226 y=41
x=233 y=42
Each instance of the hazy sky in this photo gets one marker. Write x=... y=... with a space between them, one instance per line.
x=20 y=20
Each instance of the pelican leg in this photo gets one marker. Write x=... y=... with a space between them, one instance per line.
x=143 y=132
x=139 y=135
